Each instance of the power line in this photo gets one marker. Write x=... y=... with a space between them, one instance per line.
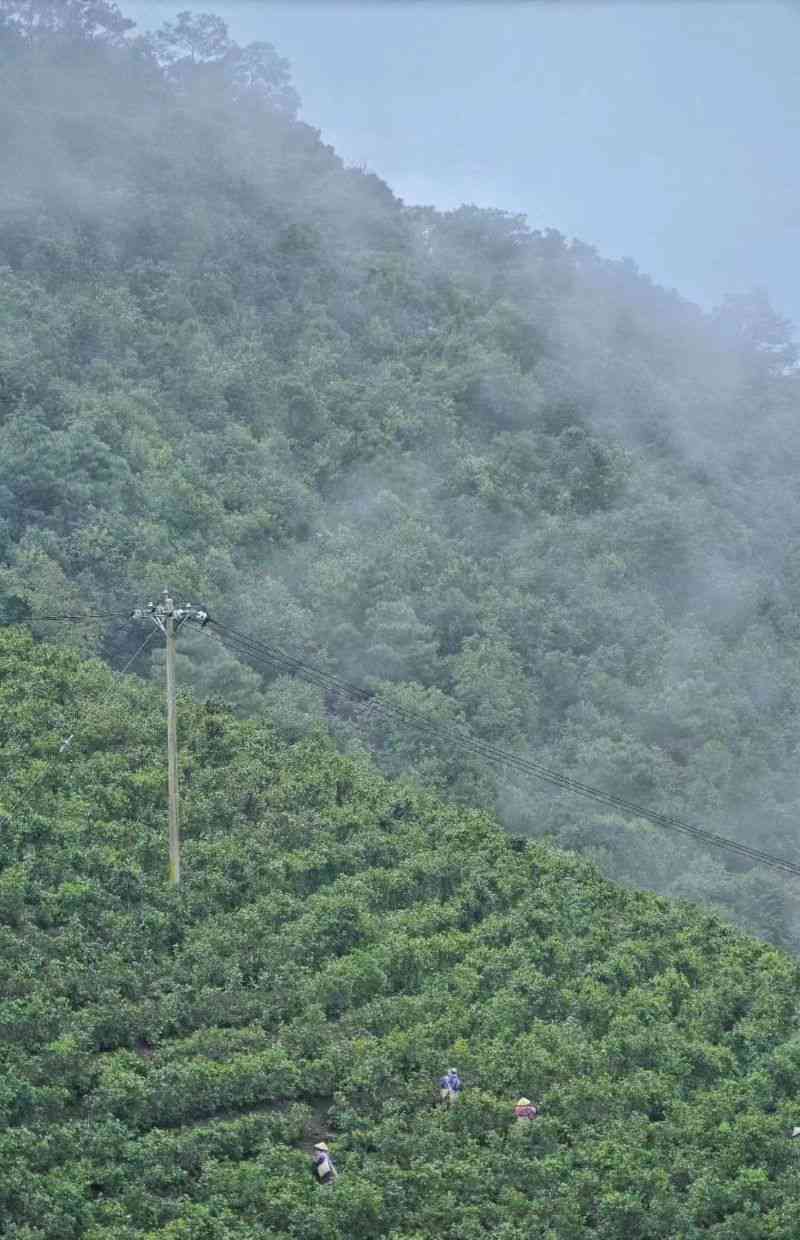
x=128 y=663
x=67 y=741
x=505 y=758
x=86 y=618
x=256 y=651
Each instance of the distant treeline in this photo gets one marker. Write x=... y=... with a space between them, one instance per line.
x=514 y=486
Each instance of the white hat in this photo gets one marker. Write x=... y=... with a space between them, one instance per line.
x=796 y=1132
x=321 y=1146
x=524 y=1102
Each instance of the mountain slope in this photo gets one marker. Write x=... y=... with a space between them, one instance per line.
x=340 y=940
x=514 y=484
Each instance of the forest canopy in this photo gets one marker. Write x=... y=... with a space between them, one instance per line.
x=470 y=463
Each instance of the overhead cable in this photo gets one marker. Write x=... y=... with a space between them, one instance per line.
x=256 y=650
x=85 y=618
x=67 y=740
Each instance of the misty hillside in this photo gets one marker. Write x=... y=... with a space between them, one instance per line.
x=338 y=941
x=515 y=486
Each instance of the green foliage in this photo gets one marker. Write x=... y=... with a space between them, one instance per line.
x=517 y=487
x=338 y=940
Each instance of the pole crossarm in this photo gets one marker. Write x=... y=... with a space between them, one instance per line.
x=158 y=612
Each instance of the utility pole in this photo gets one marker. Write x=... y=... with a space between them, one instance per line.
x=172 y=745
x=169 y=618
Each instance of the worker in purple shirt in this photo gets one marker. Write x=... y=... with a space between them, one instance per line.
x=525 y=1111
x=322 y=1167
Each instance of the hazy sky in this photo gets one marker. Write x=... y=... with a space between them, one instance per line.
x=668 y=132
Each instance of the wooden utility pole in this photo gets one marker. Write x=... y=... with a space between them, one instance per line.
x=169 y=619
x=172 y=744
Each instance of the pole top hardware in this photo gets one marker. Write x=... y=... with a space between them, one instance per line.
x=160 y=612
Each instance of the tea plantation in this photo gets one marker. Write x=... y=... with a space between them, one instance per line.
x=169 y=1058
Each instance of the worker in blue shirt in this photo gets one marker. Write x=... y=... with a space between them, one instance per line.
x=450 y=1087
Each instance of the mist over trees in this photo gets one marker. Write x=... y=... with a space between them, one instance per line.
x=514 y=485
